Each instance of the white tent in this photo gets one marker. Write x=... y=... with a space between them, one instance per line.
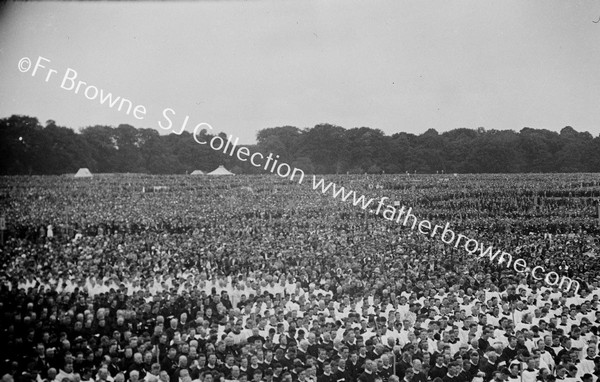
x=220 y=171
x=83 y=173
x=197 y=172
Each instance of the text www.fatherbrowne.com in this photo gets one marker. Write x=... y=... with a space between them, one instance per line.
x=70 y=82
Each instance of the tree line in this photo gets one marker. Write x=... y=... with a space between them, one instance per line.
x=28 y=147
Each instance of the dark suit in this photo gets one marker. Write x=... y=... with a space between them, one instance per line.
x=438 y=372
x=367 y=377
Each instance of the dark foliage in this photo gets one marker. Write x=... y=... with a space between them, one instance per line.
x=28 y=147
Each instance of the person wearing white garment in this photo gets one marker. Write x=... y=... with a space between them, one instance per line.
x=588 y=364
x=545 y=355
x=530 y=373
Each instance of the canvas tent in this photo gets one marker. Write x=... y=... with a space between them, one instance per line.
x=221 y=171
x=197 y=172
x=83 y=173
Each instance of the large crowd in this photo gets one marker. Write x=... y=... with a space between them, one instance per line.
x=255 y=278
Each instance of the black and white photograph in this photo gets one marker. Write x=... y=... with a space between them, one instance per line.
x=300 y=191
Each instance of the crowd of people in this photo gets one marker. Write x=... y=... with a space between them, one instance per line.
x=255 y=278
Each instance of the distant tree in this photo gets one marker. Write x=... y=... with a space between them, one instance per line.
x=326 y=145
x=103 y=145
x=237 y=170
x=374 y=169
x=27 y=147
x=305 y=164
x=283 y=141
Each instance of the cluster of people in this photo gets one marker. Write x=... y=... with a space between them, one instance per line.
x=255 y=278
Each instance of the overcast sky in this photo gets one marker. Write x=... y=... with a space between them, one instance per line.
x=241 y=66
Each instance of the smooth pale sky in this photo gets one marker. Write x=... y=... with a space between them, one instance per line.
x=241 y=66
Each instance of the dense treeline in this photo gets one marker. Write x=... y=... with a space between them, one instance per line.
x=28 y=147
